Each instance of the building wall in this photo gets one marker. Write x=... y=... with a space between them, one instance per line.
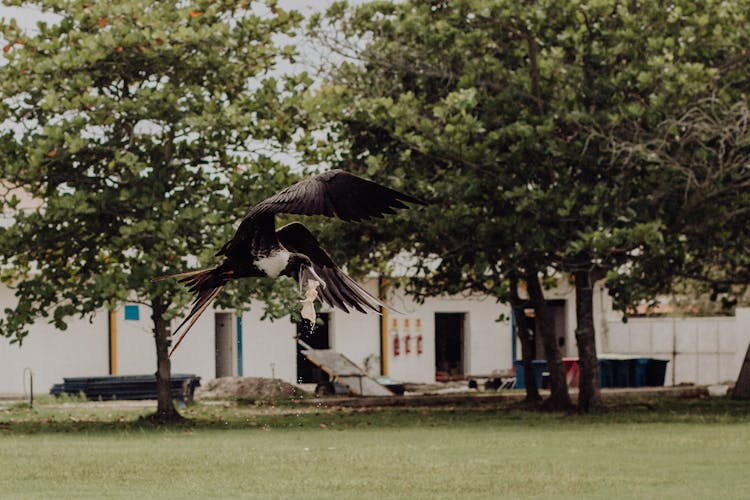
x=700 y=350
x=50 y=354
x=269 y=347
x=135 y=354
x=604 y=314
x=196 y=353
x=742 y=342
x=357 y=335
x=488 y=343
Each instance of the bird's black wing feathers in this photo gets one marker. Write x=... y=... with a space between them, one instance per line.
x=340 y=291
x=334 y=194
x=253 y=234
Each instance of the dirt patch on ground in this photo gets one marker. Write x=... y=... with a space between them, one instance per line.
x=246 y=388
x=438 y=387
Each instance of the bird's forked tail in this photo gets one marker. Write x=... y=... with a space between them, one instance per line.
x=205 y=285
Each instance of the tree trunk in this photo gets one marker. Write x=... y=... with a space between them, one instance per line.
x=165 y=411
x=589 y=395
x=527 y=355
x=527 y=342
x=742 y=387
x=559 y=399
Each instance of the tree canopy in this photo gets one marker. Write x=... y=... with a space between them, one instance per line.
x=576 y=139
x=503 y=113
x=145 y=130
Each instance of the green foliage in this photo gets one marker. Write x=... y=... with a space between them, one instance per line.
x=502 y=114
x=706 y=246
x=144 y=130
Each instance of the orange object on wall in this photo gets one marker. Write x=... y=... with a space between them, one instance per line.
x=420 y=343
x=396 y=346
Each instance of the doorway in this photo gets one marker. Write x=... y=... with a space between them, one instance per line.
x=317 y=338
x=226 y=345
x=449 y=345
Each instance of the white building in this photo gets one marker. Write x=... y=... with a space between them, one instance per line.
x=222 y=343
x=455 y=336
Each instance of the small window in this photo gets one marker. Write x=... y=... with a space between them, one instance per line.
x=132 y=313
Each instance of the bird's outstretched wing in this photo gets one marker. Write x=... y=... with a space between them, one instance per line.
x=334 y=194
x=340 y=291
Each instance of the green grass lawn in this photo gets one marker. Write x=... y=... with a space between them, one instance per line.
x=674 y=449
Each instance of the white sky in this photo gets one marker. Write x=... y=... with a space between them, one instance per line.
x=28 y=16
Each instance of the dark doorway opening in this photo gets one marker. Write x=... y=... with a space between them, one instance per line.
x=317 y=338
x=449 y=345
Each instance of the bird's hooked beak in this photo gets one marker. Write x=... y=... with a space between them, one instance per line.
x=308 y=273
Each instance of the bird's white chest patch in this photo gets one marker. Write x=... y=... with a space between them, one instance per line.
x=274 y=263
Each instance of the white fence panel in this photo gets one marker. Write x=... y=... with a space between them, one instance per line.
x=700 y=350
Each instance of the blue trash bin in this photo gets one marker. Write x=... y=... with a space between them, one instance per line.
x=520 y=378
x=638 y=374
x=621 y=369
x=540 y=365
x=606 y=373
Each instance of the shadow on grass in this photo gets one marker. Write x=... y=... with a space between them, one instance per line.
x=333 y=416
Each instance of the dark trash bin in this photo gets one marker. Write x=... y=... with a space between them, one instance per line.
x=545 y=380
x=638 y=368
x=606 y=373
x=621 y=369
x=656 y=369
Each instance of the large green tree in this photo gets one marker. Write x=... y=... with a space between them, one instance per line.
x=495 y=109
x=704 y=150
x=645 y=67
x=705 y=153
x=405 y=113
x=144 y=130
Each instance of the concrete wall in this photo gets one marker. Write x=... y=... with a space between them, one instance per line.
x=603 y=314
x=700 y=350
x=196 y=353
x=742 y=342
x=268 y=348
x=488 y=343
x=51 y=354
x=357 y=335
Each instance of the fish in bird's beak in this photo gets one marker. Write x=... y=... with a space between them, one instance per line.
x=312 y=280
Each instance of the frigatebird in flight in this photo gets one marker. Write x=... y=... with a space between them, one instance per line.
x=258 y=249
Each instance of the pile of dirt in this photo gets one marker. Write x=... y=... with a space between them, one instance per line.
x=246 y=388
